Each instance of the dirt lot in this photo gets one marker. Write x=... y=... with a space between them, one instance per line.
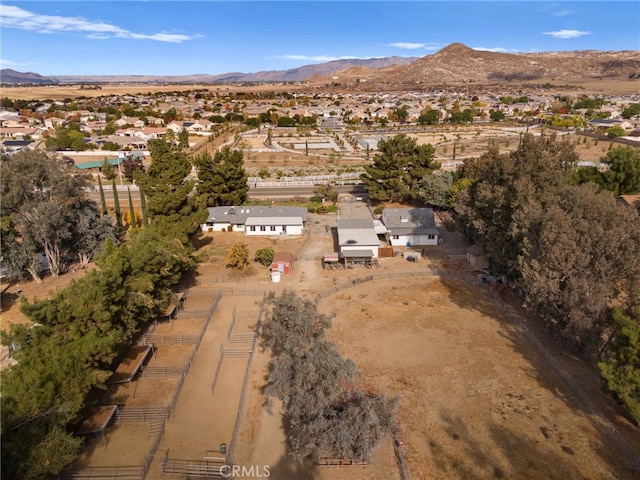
x=476 y=400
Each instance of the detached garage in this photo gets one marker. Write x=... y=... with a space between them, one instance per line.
x=282 y=262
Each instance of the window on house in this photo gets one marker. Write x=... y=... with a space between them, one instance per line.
x=252 y=228
x=395 y=237
x=431 y=237
x=263 y=228
x=273 y=228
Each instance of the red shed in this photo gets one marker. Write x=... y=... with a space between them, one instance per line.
x=282 y=262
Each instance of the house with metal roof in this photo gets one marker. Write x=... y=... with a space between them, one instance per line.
x=410 y=226
x=257 y=220
x=357 y=240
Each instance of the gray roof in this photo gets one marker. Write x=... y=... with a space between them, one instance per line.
x=409 y=221
x=273 y=221
x=355 y=223
x=238 y=215
x=356 y=254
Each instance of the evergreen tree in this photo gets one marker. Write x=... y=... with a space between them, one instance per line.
x=398 y=169
x=116 y=202
x=132 y=212
x=223 y=179
x=143 y=207
x=167 y=188
x=103 y=201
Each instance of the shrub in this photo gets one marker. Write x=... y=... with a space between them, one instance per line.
x=264 y=256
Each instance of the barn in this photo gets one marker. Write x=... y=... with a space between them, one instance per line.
x=282 y=262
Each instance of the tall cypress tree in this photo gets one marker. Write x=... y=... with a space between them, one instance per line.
x=103 y=202
x=116 y=201
x=143 y=207
x=132 y=212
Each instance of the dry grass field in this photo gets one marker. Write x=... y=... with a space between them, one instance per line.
x=476 y=400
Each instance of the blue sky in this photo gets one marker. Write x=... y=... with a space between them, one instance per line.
x=157 y=37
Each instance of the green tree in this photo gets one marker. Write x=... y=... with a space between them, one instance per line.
x=620 y=361
x=167 y=189
x=108 y=170
x=183 y=138
x=264 y=256
x=568 y=273
x=430 y=117
x=623 y=176
x=508 y=192
x=81 y=330
x=45 y=206
x=132 y=212
x=222 y=178
x=116 y=202
x=435 y=189
x=103 y=201
x=398 y=169
x=613 y=132
x=496 y=115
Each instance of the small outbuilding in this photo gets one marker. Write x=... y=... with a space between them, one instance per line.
x=477 y=258
x=282 y=262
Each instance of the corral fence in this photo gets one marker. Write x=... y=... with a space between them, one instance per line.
x=241 y=337
x=135 y=472
x=245 y=383
x=597 y=417
x=155 y=417
x=208 y=467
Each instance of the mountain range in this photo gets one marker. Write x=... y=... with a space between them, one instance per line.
x=8 y=76
x=459 y=64
x=453 y=64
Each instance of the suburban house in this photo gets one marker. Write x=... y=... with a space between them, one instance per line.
x=410 y=227
x=282 y=262
x=605 y=123
x=257 y=220
x=357 y=241
x=12 y=146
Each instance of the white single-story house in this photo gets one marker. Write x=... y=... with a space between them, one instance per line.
x=257 y=220
x=357 y=238
x=411 y=227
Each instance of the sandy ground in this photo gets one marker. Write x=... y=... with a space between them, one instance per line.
x=475 y=399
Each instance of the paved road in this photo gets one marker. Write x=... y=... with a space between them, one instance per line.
x=262 y=192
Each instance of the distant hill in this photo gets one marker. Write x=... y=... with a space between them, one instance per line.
x=11 y=76
x=293 y=75
x=455 y=64
x=459 y=64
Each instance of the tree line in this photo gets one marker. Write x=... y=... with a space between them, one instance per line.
x=553 y=229
x=79 y=333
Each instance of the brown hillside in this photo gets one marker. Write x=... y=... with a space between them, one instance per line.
x=459 y=64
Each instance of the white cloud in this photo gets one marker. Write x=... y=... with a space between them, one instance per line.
x=408 y=45
x=562 y=13
x=4 y=63
x=495 y=49
x=317 y=58
x=15 y=17
x=564 y=34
